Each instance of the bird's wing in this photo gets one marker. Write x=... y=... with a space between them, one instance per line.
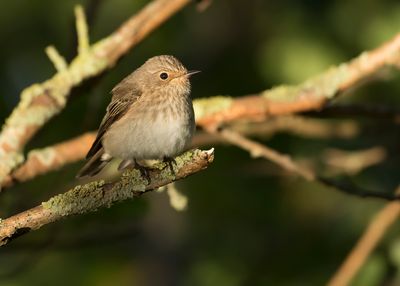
x=124 y=95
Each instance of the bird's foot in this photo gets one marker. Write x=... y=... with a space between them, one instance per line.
x=170 y=161
x=127 y=163
x=144 y=171
x=133 y=164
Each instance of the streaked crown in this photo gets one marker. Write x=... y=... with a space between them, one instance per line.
x=164 y=62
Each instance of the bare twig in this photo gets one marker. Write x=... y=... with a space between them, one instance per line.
x=352 y=162
x=300 y=126
x=366 y=244
x=349 y=188
x=374 y=111
x=310 y=95
x=91 y=196
x=202 y=5
x=40 y=102
x=258 y=150
x=177 y=200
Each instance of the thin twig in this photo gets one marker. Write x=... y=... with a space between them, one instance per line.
x=349 y=188
x=258 y=150
x=352 y=162
x=82 y=30
x=366 y=244
x=374 y=111
x=299 y=126
x=91 y=196
x=58 y=61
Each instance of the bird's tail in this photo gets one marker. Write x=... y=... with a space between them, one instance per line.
x=94 y=165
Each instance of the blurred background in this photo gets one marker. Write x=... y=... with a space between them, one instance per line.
x=247 y=222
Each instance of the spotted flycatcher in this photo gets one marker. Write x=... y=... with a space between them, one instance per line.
x=150 y=116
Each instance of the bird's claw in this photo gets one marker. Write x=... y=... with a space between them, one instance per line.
x=144 y=172
x=170 y=161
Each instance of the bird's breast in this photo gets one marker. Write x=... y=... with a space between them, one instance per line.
x=151 y=131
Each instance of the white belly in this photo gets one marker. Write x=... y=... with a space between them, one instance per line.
x=151 y=139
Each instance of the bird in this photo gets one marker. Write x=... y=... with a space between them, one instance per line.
x=150 y=117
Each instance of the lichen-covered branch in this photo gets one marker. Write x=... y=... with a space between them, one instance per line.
x=97 y=194
x=41 y=161
x=42 y=101
x=310 y=95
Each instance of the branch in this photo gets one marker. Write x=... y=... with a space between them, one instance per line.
x=91 y=196
x=300 y=126
x=258 y=150
x=353 y=162
x=366 y=244
x=292 y=124
x=374 y=111
x=310 y=95
x=41 y=161
x=40 y=102
x=348 y=187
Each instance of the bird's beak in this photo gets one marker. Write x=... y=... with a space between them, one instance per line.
x=190 y=73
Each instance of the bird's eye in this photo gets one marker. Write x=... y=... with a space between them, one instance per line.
x=163 y=75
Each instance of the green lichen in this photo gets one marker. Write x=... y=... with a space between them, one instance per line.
x=325 y=85
x=27 y=115
x=45 y=156
x=80 y=199
x=91 y=196
x=165 y=174
x=10 y=161
x=180 y=162
x=59 y=87
x=284 y=93
x=131 y=181
x=187 y=157
x=35 y=115
x=207 y=106
x=10 y=137
x=29 y=93
x=329 y=83
x=87 y=65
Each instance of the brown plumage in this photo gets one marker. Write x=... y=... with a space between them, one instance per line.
x=150 y=116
